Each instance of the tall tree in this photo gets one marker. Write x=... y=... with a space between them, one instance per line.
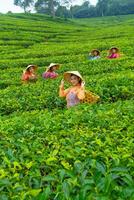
x=102 y=6
x=62 y=11
x=120 y=7
x=47 y=6
x=41 y=7
x=114 y=7
x=68 y=8
x=85 y=10
x=24 y=4
x=69 y=4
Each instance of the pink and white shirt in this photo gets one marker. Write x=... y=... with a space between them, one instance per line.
x=50 y=75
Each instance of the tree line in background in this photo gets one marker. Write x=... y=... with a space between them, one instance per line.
x=68 y=9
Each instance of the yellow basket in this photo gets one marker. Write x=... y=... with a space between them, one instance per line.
x=90 y=97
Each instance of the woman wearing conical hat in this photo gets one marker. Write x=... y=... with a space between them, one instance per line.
x=29 y=74
x=113 y=53
x=50 y=71
x=94 y=54
x=76 y=92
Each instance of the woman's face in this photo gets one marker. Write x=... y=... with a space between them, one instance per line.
x=74 y=80
x=113 y=51
x=54 y=68
x=31 y=69
x=95 y=53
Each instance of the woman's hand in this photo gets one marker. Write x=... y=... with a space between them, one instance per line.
x=82 y=84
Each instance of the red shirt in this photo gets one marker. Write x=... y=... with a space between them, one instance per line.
x=27 y=76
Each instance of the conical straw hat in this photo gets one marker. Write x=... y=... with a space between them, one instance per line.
x=29 y=66
x=52 y=65
x=67 y=75
x=117 y=49
x=96 y=51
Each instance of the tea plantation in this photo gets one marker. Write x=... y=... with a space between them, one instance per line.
x=48 y=152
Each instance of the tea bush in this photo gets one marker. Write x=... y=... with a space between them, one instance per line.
x=49 y=152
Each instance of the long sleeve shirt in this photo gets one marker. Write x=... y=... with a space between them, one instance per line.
x=28 y=76
x=50 y=75
x=114 y=55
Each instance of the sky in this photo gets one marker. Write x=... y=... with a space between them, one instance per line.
x=7 y=5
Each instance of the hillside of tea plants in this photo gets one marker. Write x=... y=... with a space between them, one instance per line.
x=48 y=152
